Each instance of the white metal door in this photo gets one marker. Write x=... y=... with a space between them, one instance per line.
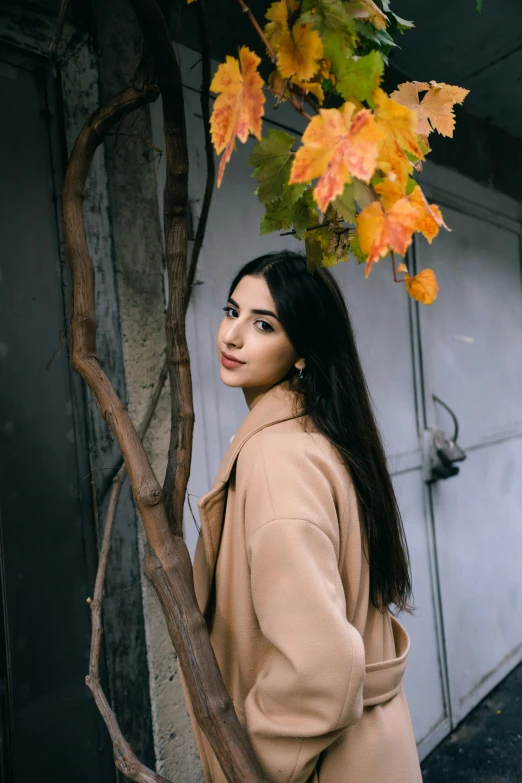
x=471 y=358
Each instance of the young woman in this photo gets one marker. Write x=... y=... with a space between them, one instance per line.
x=302 y=549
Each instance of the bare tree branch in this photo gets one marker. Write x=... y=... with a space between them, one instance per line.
x=124 y=756
x=201 y=15
x=55 y=40
x=168 y=565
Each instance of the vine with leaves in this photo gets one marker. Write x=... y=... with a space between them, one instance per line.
x=348 y=190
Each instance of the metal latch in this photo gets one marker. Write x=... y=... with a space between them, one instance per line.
x=444 y=451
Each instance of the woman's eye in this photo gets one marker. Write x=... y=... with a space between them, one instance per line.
x=270 y=328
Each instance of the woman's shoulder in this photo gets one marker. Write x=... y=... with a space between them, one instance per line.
x=293 y=452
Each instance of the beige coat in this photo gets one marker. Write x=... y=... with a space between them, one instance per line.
x=314 y=670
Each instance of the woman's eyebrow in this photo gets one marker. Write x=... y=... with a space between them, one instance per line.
x=257 y=312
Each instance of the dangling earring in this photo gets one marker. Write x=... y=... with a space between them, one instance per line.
x=300 y=375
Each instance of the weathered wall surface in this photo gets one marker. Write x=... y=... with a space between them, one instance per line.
x=136 y=225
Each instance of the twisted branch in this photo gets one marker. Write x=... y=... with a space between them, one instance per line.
x=168 y=565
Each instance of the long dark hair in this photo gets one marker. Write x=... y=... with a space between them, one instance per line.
x=313 y=313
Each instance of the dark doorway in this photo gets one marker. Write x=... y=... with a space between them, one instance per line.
x=50 y=729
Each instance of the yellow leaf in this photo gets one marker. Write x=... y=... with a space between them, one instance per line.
x=423 y=286
x=380 y=231
x=398 y=121
x=435 y=110
x=390 y=191
x=336 y=146
x=278 y=16
x=402 y=268
x=392 y=160
x=238 y=109
x=298 y=52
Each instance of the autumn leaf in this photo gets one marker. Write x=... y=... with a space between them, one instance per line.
x=239 y=106
x=272 y=160
x=435 y=110
x=380 y=231
x=399 y=122
x=390 y=191
x=360 y=77
x=277 y=15
x=336 y=146
x=298 y=52
x=429 y=216
x=336 y=27
x=422 y=286
x=392 y=161
x=367 y=9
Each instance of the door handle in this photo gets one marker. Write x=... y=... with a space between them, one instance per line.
x=444 y=450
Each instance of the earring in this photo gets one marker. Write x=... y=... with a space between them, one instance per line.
x=300 y=375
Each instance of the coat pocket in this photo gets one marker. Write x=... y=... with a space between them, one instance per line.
x=383 y=680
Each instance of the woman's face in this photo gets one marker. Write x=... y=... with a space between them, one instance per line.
x=256 y=339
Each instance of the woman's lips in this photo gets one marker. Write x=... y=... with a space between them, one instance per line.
x=229 y=363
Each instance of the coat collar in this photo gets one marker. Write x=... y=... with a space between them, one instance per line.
x=277 y=404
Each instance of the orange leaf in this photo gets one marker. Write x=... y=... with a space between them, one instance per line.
x=239 y=108
x=380 y=231
x=423 y=286
x=335 y=148
x=429 y=216
x=298 y=52
x=435 y=110
x=398 y=121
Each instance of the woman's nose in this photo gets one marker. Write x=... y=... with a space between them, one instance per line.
x=232 y=334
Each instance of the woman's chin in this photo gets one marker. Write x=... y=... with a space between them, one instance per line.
x=227 y=377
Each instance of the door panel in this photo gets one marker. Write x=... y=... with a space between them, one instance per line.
x=48 y=536
x=424 y=673
x=472 y=353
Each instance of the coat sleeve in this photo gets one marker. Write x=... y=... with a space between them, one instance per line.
x=310 y=688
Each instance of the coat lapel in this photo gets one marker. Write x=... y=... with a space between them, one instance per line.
x=277 y=404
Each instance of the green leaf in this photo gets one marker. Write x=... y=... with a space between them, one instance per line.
x=344 y=204
x=362 y=193
x=410 y=186
x=360 y=78
x=479 y=6
x=380 y=37
x=316 y=244
x=304 y=214
x=278 y=215
x=402 y=24
x=272 y=161
x=334 y=24
x=355 y=250
x=424 y=146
